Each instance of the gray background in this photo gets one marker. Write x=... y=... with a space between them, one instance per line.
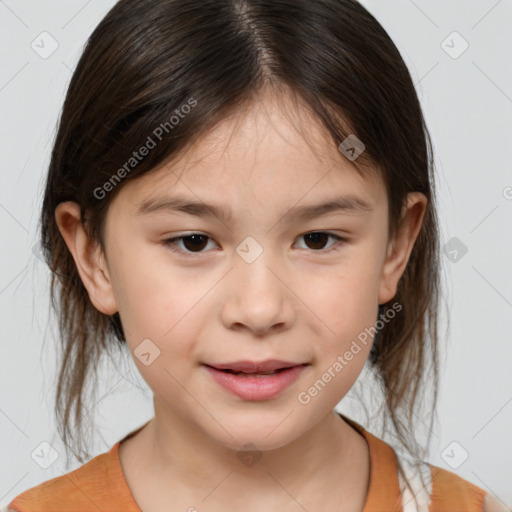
x=467 y=100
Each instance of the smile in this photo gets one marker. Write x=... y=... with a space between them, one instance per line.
x=256 y=385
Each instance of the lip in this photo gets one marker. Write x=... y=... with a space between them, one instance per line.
x=256 y=387
x=246 y=366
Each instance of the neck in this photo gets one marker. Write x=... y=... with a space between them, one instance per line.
x=323 y=458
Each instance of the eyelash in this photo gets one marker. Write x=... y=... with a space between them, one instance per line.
x=171 y=243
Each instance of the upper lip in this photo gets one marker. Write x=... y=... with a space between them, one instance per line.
x=254 y=366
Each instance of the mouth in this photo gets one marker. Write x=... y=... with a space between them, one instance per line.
x=257 y=384
x=254 y=374
x=267 y=367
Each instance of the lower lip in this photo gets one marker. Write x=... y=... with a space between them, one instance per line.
x=260 y=387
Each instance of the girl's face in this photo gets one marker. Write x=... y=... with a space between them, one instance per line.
x=256 y=282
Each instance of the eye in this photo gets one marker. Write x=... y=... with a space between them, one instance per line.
x=193 y=243
x=318 y=238
x=196 y=242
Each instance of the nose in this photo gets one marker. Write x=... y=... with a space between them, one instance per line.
x=257 y=299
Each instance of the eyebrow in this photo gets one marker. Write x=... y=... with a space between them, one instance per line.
x=351 y=204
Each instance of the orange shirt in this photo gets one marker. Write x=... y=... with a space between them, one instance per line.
x=100 y=485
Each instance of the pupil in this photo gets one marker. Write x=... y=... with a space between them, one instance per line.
x=316 y=238
x=195 y=239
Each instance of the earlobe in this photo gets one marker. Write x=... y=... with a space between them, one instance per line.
x=88 y=256
x=400 y=248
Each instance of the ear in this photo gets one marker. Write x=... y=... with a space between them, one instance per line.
x=400 y=248
x=89 y=258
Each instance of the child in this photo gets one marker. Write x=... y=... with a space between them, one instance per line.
x=259 y=128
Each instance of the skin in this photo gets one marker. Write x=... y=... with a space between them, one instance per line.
x=295 y=302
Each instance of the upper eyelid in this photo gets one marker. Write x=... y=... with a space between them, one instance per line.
x=338 y=238
x=186 y=235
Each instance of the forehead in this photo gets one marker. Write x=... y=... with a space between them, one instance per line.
x=274 y=150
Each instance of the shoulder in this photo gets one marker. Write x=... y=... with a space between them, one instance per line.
x=491 y=504
x=76 y=489
x=449 y=489
x=444 y=479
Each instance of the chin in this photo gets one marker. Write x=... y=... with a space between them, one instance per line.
x=263 y=431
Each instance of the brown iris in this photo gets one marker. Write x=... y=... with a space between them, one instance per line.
x=317 y=238
x=198 y=242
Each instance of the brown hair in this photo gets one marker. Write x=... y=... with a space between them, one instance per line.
x=145 y=60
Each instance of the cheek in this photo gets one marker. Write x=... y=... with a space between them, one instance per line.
x=156 y=299
x=162 y=321
x=345 y=307
x=344 y=301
